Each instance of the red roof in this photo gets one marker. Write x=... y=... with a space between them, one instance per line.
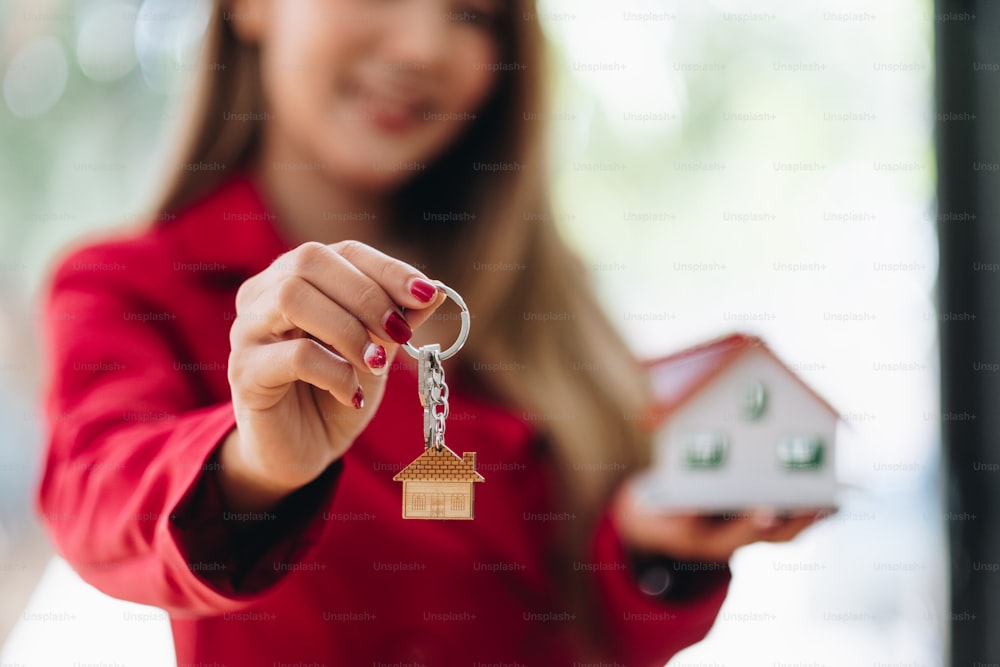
x=680 y=376
x=441 y=465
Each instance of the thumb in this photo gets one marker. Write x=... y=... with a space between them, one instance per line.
x=417 y=317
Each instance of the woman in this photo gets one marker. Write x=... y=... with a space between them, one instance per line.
x=228 y=405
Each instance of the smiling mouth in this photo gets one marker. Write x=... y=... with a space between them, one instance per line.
x=390 y=112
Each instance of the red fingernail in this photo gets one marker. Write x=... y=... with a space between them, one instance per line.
x=375 y=357
x=422 y=289
x=359 y=399
x=397 y=328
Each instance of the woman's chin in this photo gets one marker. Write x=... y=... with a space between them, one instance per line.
x=384 y=175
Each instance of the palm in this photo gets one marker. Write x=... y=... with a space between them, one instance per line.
x=313 y=427
x=702 y=537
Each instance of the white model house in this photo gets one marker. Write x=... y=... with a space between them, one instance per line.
x=734 y=428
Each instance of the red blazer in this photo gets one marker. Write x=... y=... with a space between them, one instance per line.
x=138 y=402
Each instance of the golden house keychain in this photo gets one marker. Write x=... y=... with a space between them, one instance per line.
x=439 y=482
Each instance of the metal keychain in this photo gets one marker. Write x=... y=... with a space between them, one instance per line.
x=433 y=394
x=430 y=374
x=438 y=484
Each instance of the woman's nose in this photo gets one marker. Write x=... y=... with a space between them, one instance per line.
x=420 y=37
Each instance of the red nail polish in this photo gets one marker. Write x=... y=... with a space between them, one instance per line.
x=359 y=399
x=422 y=289
x=375 y=356
x=397 y=328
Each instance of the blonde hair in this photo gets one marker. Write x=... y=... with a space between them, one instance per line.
x=577 y=381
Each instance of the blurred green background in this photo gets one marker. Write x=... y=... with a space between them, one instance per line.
x=763 y=166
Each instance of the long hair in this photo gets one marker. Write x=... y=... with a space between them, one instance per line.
x=535 y=309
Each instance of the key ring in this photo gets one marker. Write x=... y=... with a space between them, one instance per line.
x=462 y=335
x=438 y=473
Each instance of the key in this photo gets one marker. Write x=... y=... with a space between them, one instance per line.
x=438 y=484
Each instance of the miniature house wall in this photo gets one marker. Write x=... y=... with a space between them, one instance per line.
x=737 y=429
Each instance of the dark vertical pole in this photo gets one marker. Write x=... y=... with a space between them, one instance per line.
x=968 y=134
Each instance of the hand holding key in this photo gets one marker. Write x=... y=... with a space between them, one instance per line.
x=310 y=347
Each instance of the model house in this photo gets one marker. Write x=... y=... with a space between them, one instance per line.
x=438 y=485
x=734 y=427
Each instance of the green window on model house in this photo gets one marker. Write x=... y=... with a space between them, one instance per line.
x=800 y=452
x=705 y=450
x=754 y=401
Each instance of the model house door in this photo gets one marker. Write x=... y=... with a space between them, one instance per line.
x=437 y=504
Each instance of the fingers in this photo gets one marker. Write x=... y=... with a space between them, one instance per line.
x=367 y=283
x=758 y=525
x=297 y=305
x=406 y=286
x=721 y=539
x=310 y=324
x=340 y=281
x=710 y=538
x=280 y=364
x=344 y=295
x=417 y=317
x=788 y=528
x=702 y=537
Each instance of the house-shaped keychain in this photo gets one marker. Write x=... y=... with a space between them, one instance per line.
x=438 y=485
x=734 y=427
